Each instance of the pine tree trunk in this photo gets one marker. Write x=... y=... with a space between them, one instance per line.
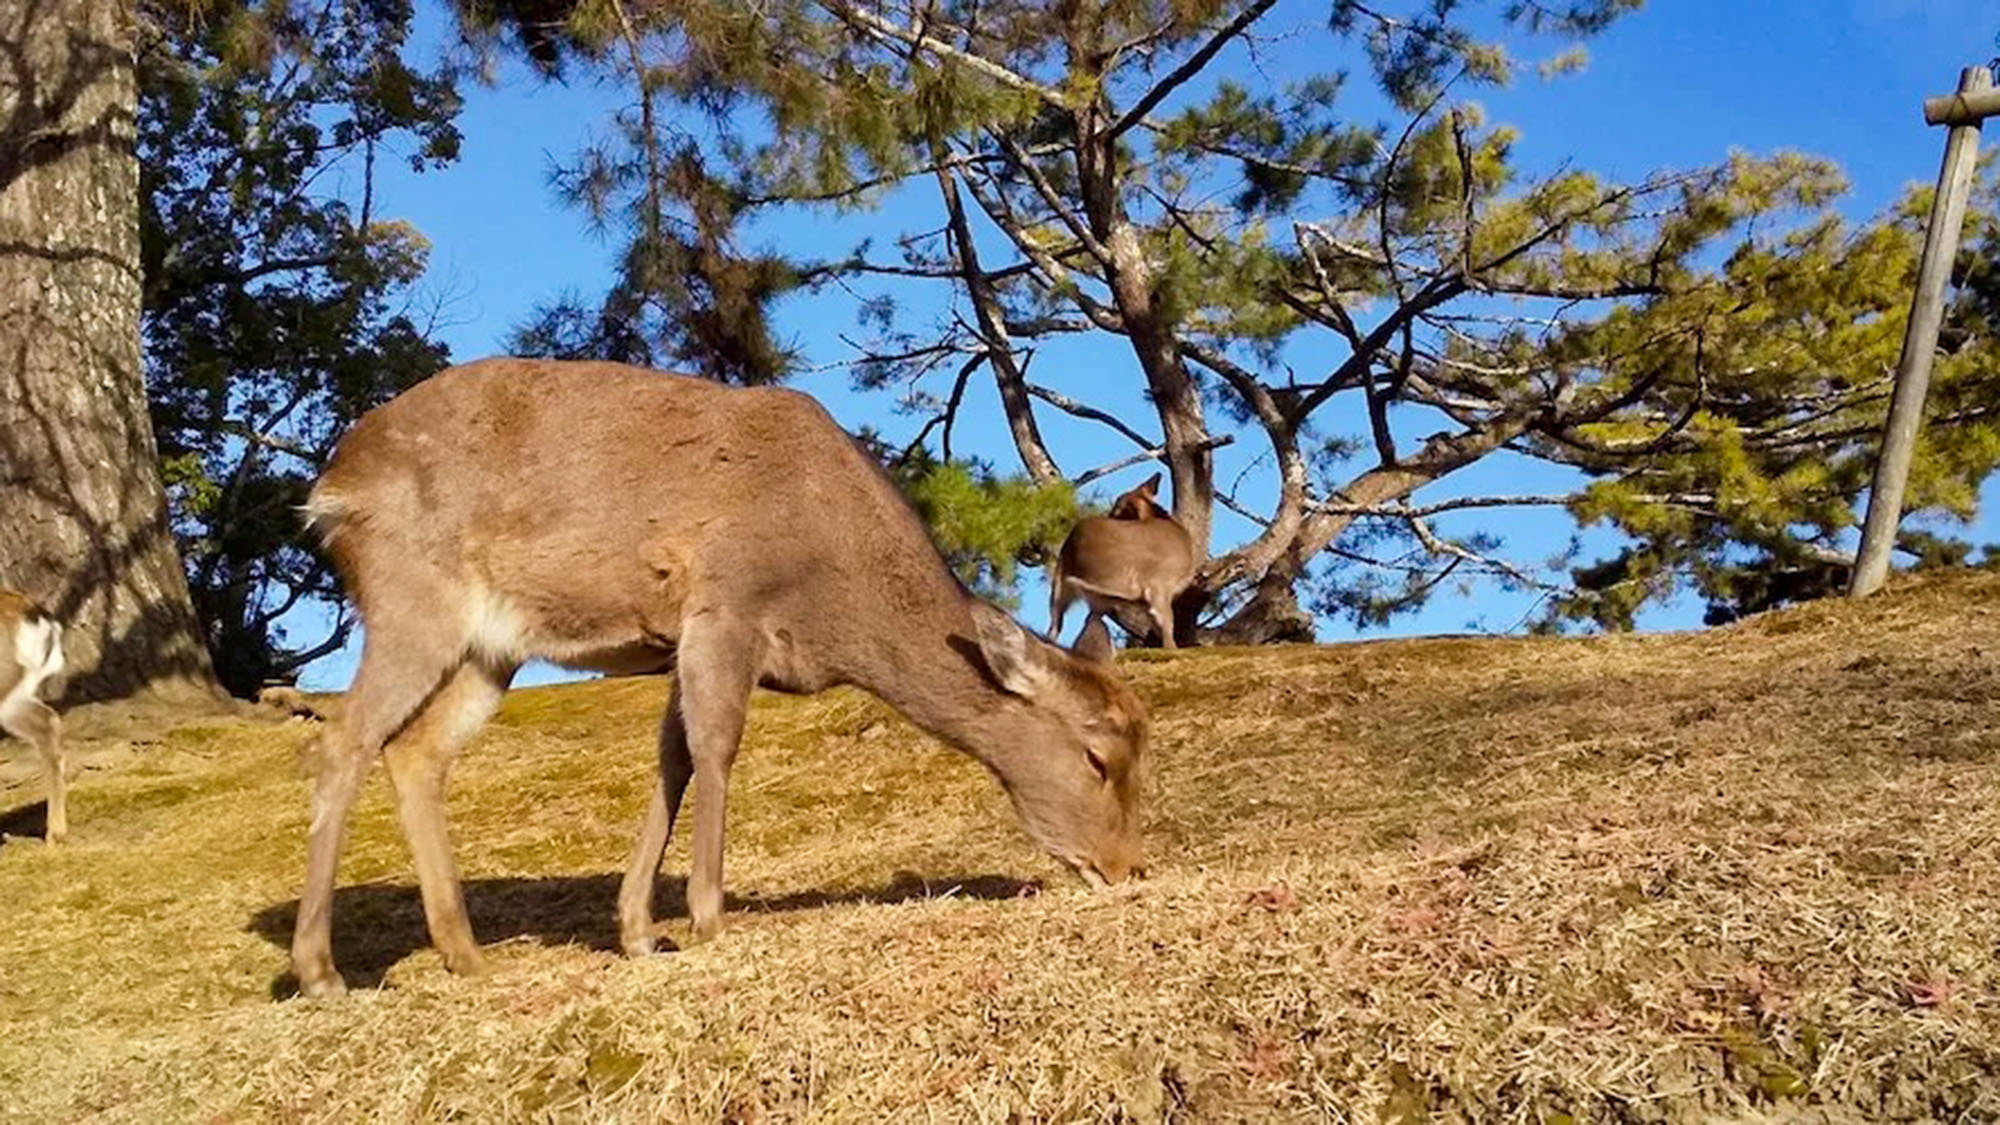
x=83 y=525
x=1272 y=615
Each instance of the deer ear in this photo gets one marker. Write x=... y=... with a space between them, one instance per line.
x=1095 y=644
x=1151 y=487
x=1014 y=657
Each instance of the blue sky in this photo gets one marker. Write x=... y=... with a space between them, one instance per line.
x=1678 y=84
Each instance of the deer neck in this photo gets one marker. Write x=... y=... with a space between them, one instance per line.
x=930 y=671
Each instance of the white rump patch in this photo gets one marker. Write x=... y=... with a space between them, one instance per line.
x=38 y=652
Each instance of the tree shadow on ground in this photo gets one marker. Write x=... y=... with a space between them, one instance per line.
x=376 y=925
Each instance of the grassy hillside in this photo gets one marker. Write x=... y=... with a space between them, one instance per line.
x=1747 y=873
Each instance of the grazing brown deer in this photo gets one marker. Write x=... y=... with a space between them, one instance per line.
x=613 y=518
x=1137 y=556
x=30 y=653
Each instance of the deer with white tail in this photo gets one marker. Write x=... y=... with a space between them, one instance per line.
x=1134 y=559
x=607 y=517
x=30 y=655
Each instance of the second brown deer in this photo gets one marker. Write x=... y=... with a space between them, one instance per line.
x=30 y=654
x=1136 y=557
x=612 y=518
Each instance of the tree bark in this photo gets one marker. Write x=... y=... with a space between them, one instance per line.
x=1007 y=377
x=1272 y=615
x=83 y=517
x=1135 y=290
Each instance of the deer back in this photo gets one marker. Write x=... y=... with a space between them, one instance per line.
x=1123 y=558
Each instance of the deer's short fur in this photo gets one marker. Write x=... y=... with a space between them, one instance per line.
x=1135 y=557
x=30 y=654
x=608 y=517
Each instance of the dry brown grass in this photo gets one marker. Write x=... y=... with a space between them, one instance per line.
x=1749 y=874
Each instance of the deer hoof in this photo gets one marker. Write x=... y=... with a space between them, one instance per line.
x=316 y=987
x=471 y=963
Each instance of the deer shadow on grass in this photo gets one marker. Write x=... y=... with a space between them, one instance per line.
x=24 y=823
x=378 y=924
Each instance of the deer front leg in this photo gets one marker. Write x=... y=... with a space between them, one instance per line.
x=717 y=667
x=57 y=771
x=37 y=723
x=635 y=895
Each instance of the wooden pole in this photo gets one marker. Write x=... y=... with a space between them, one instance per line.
x=1962 y=108
x=1913 y=371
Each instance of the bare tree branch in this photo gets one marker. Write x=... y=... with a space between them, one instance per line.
x=1156 y=453
x=957 y=396
x=1068 y=405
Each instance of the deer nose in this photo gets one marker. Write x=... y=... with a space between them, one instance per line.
x=1118 y=871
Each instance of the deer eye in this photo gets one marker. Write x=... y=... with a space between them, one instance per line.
x=1097 y=763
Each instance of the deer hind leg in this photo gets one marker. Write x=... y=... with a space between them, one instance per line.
x=1160 y=606
x=717 y=667
x=635 y=894
x=33 y=721
x=401 y=665
x=419 y=758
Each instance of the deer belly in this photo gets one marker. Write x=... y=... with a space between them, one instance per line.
x=623 y=660
x=573 y=630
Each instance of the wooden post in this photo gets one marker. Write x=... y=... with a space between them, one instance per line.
x=1964 y=111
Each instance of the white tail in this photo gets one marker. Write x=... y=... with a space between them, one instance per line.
x=608 y=517
x=30 y=655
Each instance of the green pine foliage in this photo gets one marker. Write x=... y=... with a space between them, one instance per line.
x=276 y=309
x=1707 y=348
x=985 y=524
x=1784 y=377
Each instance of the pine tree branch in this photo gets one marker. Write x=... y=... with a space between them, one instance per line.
x=1054 y=201
x=1189 y=67
x=837 y=195
x=314 y=581
x=1466 y=191
x=1445 y=287
x=1155 y=453
x=1491 y=564
x=1287 y=522
x=343 y=625
x=1078 y=409
x=1404 y=510
x=1055 y=272
x=879 y=29
x=1039 y=326
x=650 y=139
x=1305 y=171
x=992 y=329
x=953 y=401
